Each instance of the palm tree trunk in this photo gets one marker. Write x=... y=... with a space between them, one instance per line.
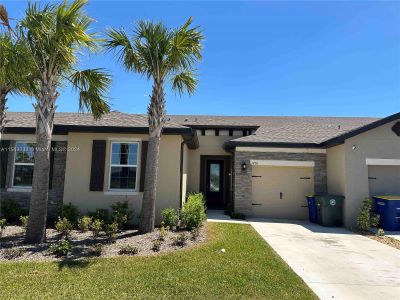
x=44 y=109
x=156 y=118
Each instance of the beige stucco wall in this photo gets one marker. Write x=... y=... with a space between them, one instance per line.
x=380 y=142
x=335 y=167
x=78 y=166
x=209 y=145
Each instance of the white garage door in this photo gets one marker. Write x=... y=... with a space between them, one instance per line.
x=384 y=180
x=279 y=192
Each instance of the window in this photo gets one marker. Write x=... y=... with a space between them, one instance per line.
x=23 y=164
x=214 y=177
x=123 y=167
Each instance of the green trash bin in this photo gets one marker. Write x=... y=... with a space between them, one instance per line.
x=329 y=210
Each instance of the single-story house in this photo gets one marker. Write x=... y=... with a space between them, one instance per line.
x=258 y=166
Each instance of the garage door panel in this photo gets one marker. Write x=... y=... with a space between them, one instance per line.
x=278 y=192
x=384 y=180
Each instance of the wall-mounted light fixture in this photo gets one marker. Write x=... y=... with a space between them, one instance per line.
x=244 y=166
x=354 y=147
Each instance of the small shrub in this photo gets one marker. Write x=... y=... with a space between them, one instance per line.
x=121 y=213
x=163 y=233
x=128 y=250
x=156 y=245
x=62 y=248
x=64 y=227
x=366 y=218
x=24 y=221
x=181 y=240
x=170 y=217
x=101 y=214
x=96 y=227
x=84 y=223
x=111 y=231
x=68 y=211
x=10 y=209
x=96 y=250
x=193 y=211
x=12 y=253
x=3 y=223
x=194 y=233
x=380 y=232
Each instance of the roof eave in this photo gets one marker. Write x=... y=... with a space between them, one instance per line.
x=64 y=129
x=222 y=126
x=230 y=145
x=191 y=139
x=341 y=138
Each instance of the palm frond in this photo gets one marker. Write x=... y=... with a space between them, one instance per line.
x=185 y=80
x=16 y=66
x=186 y=47
x=4 y=19
x=119 y=42
x=56 y=32
x=160 y=53
x=92 y=85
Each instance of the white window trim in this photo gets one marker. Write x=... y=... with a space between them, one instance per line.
x=115 y=192
x=124 y=140
x=17 y=188
x=111 y=191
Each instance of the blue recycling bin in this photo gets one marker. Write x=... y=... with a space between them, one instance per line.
x=312 y=209
x=388 y=207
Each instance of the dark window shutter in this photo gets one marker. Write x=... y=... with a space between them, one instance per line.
x=4 y=144
x=53 y=145
x=143 y=158
x=98 y=164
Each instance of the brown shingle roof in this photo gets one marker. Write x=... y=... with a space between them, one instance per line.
x=112 y=119
x=270 y=129
x=282 y=129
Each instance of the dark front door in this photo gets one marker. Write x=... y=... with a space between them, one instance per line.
x=214 y=183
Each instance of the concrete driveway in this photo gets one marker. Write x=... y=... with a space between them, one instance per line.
x=334 y=262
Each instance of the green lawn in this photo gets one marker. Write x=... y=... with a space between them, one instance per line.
x=249 y=269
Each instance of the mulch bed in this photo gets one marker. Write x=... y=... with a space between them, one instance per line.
x=12 y=245
x=382 y=239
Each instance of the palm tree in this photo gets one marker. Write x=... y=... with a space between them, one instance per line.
x=15 y=65
x=160 y=54
x=54 y=34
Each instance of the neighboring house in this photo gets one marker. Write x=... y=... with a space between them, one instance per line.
x=259 y=166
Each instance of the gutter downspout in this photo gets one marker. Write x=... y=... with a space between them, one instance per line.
x=183 y=143
x=181 y=173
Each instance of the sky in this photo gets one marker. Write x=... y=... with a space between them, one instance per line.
x=313 y=58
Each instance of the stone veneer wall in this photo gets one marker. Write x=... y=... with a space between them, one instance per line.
x=56 y=193
x=242 y=184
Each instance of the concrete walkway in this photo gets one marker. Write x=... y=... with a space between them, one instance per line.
x=214 y=215
x=334 y=262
